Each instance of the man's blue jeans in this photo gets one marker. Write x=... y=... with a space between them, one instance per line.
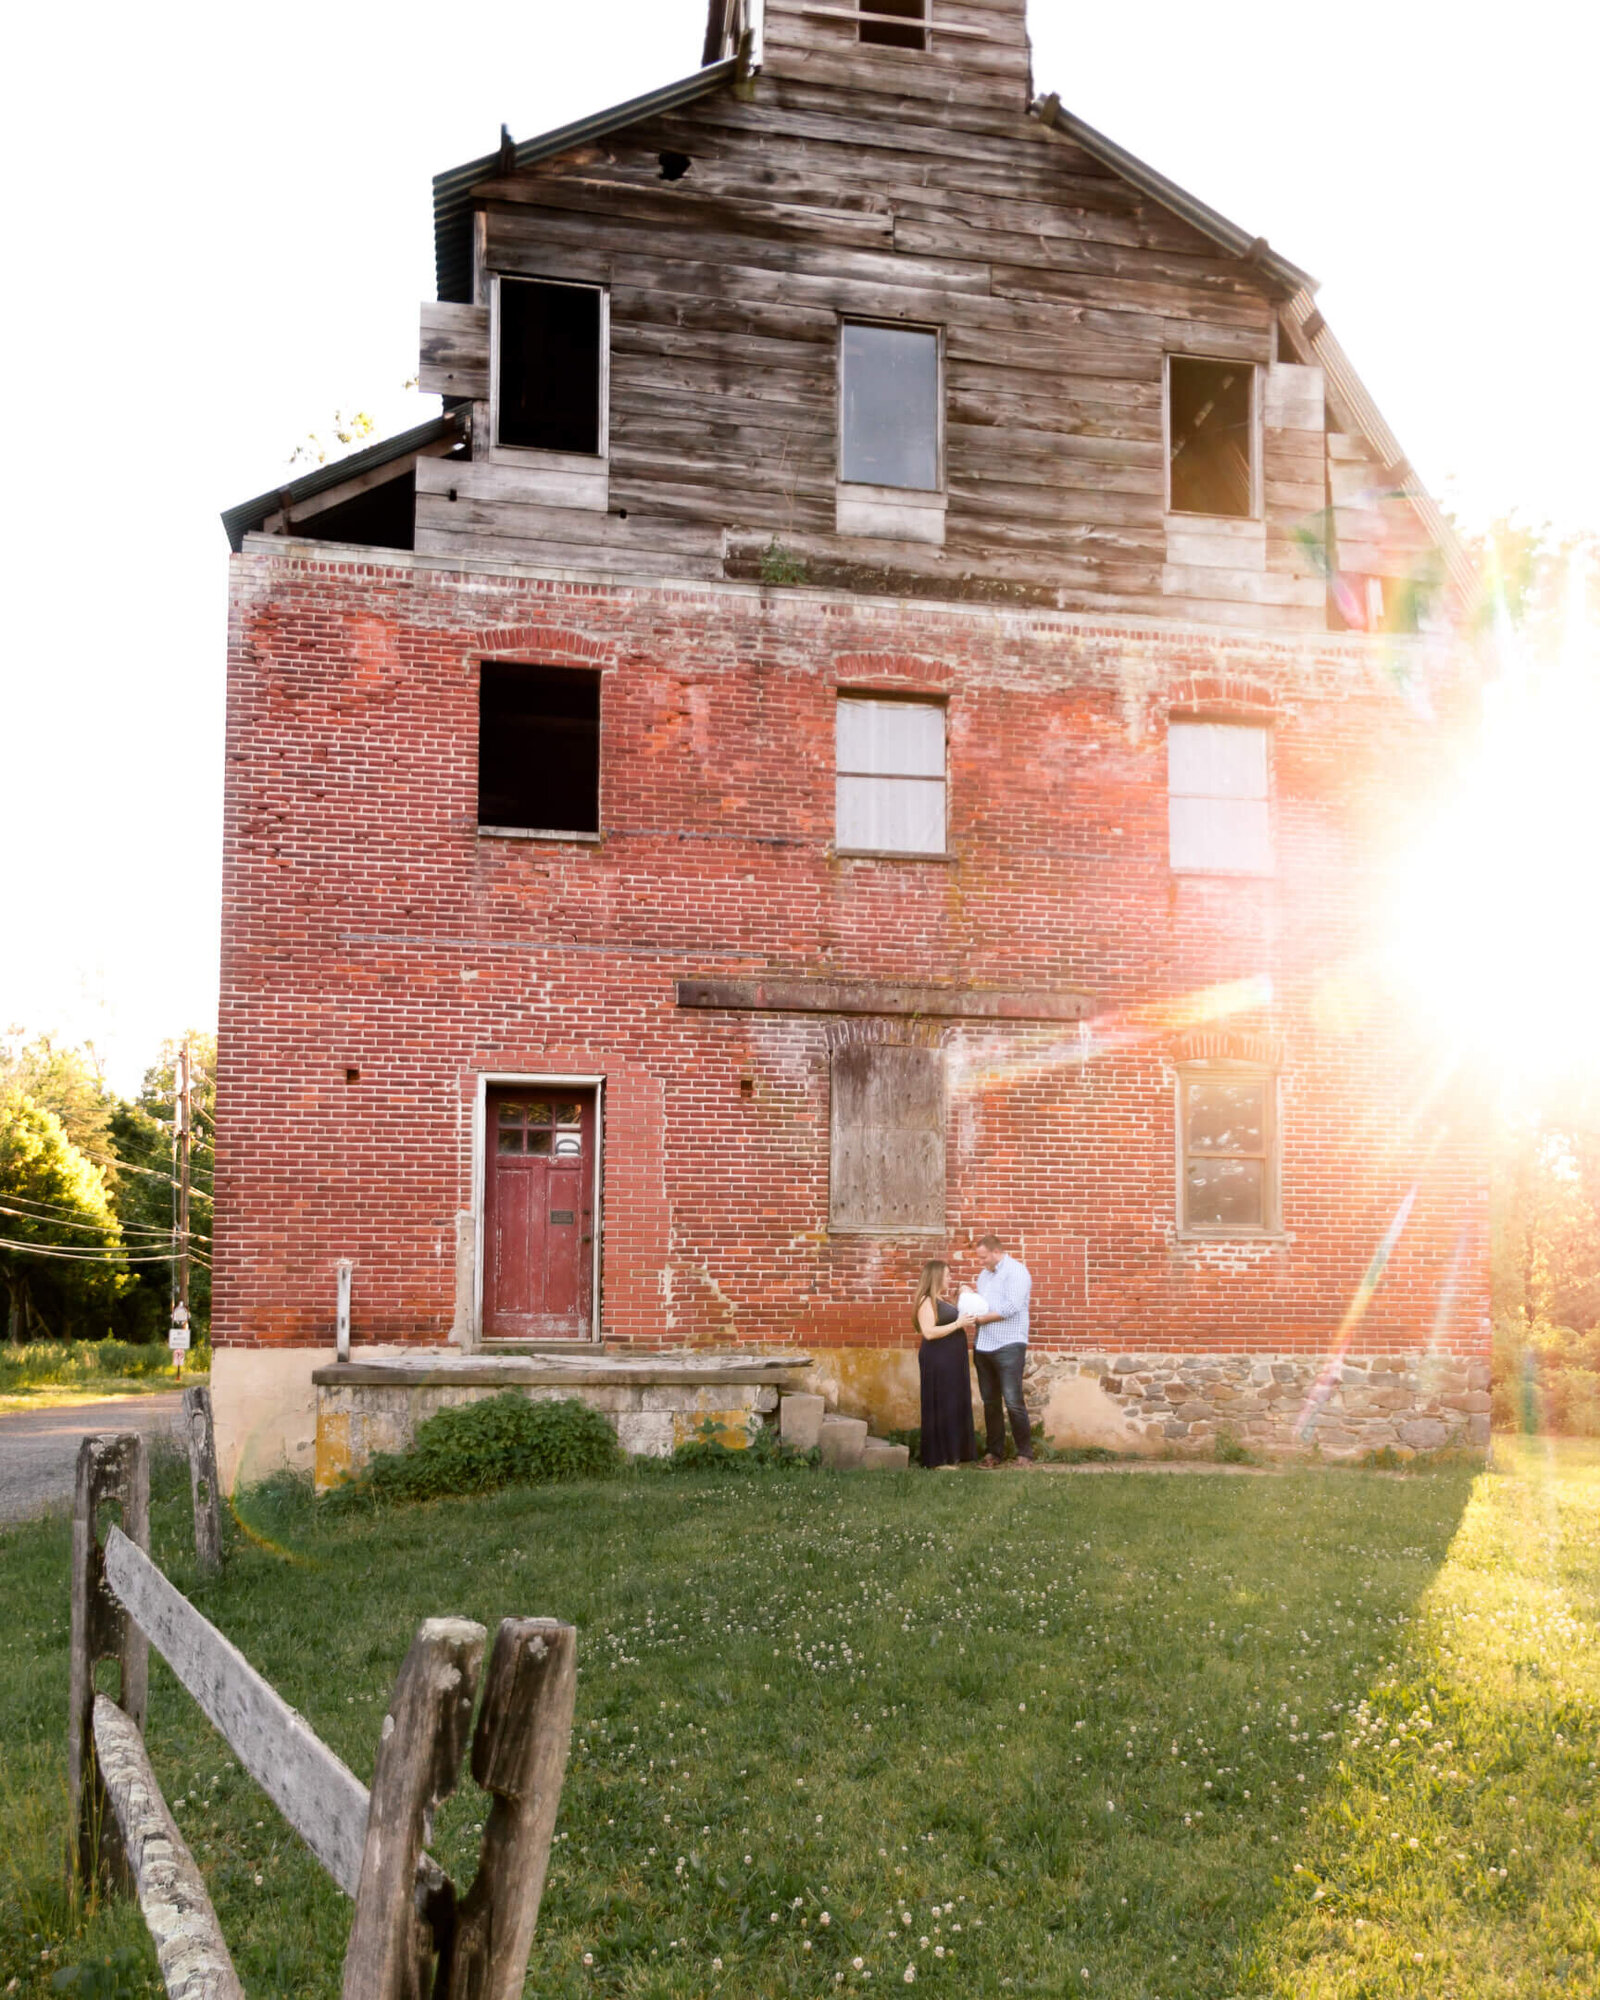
x=1000 y=1386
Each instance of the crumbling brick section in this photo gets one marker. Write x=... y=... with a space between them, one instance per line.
x=380 y=956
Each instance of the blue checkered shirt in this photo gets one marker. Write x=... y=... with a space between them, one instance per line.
x=1005 y=1290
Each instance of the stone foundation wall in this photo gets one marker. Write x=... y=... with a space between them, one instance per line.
x=650 y=1419
x=1275 y=1404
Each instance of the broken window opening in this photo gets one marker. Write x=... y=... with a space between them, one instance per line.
x=886 y=1144
x=538 y=748
x=1210 y=436
x=549 y=366
x=1218 y=810
x=890 y=776
x=889 y=406
x=1229 y=1129
x=383 y=517
x=905 y=27
x=674 y=165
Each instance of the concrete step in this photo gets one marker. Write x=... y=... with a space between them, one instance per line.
x=800 y=1421
x=843 y=1440
x=878 y=1455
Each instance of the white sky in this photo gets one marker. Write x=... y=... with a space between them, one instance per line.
x=220 y=232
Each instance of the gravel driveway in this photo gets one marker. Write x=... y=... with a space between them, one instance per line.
x=39 y=1448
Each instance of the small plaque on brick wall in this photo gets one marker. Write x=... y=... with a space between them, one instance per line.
x=562 y=1215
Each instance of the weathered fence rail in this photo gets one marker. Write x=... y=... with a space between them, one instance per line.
x=411 y=1933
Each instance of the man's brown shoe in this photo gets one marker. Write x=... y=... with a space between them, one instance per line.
x=988 y=1461
x=1024 y=1464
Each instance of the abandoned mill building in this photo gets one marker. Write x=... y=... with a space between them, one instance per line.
x=878 y=711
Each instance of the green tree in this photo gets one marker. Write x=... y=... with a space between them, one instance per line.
x=69 y=1082
x=59 y=1246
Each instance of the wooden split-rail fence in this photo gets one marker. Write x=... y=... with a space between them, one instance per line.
x=412 y=1934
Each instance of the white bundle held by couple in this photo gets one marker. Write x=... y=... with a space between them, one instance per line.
x=970 y=1302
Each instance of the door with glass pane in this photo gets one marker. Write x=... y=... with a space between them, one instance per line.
x=538 y=1234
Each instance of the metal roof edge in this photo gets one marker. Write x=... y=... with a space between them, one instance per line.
x=451 y=188
x=239 y=521
x=1227 y=235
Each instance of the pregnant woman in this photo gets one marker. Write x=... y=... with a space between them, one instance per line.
x=947 y=1434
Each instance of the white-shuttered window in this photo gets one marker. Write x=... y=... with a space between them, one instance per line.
x=1218 y=815
x=890 y=764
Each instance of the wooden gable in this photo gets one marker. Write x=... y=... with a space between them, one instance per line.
x=737 y=225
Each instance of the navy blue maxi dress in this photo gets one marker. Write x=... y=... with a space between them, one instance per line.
x=947 y=1433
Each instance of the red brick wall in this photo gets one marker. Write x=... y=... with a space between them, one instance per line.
x=366 y=926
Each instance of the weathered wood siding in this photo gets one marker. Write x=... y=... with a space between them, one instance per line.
x=850 y=180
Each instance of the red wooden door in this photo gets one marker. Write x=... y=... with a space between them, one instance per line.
x=538 y=1278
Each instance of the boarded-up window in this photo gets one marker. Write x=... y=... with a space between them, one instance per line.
x=890 y=776
x=1211 y=436
x=1218 y=816
x=889 y=406
x=549 y=366
x=1229 y=1134
x=887 y=1122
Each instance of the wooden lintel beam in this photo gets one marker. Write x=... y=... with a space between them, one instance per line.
x=848 y=996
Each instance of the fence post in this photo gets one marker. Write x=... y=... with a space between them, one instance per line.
x=111 y=1468
x=519 y=1756
x=203 y=1479
x=393 y=1942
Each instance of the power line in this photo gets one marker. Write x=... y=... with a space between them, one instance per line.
x=61 y=1222
x=104 y=1259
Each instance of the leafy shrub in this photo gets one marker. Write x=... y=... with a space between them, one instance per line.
x=1229 y=1448
x=911 y=1437
x=766 y=1452
x=499 y=1441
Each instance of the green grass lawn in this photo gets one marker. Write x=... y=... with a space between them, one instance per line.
x=1324 y=1734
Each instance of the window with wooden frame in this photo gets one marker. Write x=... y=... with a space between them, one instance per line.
x=1219 y=813
x=1212 y=458
x=1228 y=1165
x=890 y=775
x=891 y=408
x=894 y=24
x=549 y=351
x=886 y=1139
x=538 y=750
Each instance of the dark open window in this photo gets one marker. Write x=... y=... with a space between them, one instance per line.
x=539 y=748
x=1211 y=436
x=886 y=1173
x=895 y=24
x=550 y=372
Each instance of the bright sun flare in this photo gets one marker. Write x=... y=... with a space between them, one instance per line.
x=1493 y=927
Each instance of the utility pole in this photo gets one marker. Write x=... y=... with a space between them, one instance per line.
x=183 y=1107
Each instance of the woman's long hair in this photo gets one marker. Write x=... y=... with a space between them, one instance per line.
x=934 y=1273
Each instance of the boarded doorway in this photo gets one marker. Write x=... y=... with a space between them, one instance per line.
x=541 y=1151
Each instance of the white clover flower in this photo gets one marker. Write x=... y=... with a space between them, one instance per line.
x=857 y=1963
x=588 y=1958
x=938 y=1951
x=922 y=1944
x=910 y=1975
x=716 y=1965
x=824 y=1918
